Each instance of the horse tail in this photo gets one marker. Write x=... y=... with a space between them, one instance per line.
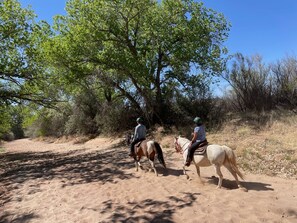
x=159 y=153
x=231 y=158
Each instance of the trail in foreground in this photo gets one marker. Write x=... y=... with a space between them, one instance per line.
x=97 y=182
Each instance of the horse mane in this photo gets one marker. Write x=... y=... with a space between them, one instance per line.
x=183 y=139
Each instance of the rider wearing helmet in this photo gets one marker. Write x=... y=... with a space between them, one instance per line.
x=139 y=135
x=199 y=138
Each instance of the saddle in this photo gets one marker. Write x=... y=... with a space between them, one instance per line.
x=201 y=149
x=138 y=144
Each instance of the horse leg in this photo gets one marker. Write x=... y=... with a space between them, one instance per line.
x=136 y=165
x=140 y=166
x=198 y=172
x=233 y=172
x=185 y=173
x=153 y=166
x=219 y=173
x=228 y=166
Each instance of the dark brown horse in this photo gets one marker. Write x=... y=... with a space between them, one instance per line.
x=148 y=148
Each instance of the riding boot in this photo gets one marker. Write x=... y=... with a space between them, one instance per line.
x=189 y=159
x=132 y=153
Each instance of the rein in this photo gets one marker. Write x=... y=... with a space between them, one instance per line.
x=180 y=150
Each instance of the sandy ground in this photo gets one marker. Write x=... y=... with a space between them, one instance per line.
x=97 y=182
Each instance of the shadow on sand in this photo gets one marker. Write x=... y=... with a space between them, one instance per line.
x=79 y=167
x=231 y=184
x=156 y=211
x=73 y=167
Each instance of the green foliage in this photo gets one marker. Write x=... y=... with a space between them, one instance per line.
x=49 y=122
x=142 y=50
x=116 y=117
x=4 y=121
x=22 y=75
x=82 y=119
x=17 y=122
x=11 y=122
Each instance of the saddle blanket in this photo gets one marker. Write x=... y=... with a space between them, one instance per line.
x=200 y=150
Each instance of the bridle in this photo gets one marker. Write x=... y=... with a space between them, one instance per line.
x=179 y=148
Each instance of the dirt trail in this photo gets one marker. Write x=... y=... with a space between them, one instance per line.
x=96 y=182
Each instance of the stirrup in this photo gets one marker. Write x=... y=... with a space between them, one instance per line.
x=188 y=162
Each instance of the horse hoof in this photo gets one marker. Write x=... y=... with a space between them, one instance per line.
x=243 y=189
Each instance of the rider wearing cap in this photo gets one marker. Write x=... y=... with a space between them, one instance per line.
x=139 y=135
x=199 y=138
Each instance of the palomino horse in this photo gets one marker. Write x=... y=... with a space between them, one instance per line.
x=148 y=148
x=215 y=155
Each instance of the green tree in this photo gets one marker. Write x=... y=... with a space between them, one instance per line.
x=143 y=50
x=17 y=118
x=5 y=119
x=23 y=75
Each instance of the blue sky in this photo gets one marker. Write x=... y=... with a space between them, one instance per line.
x=264 y=27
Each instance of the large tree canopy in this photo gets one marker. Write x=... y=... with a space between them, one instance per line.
x=142 y=49
x=23 y=76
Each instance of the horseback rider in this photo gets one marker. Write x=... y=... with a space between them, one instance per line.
x=139 y=135
x=198 y=140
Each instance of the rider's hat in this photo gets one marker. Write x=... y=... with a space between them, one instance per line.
x=139 y=120
x=197 y=120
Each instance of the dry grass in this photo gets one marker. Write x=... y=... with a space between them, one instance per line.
x=270 y=148
x=265 y=144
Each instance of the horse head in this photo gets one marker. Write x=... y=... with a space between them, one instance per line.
x=181 y=144
x=129 y=138
x=177 y=146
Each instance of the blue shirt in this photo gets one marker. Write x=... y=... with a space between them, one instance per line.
x=201 y=135
x=140 y=132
